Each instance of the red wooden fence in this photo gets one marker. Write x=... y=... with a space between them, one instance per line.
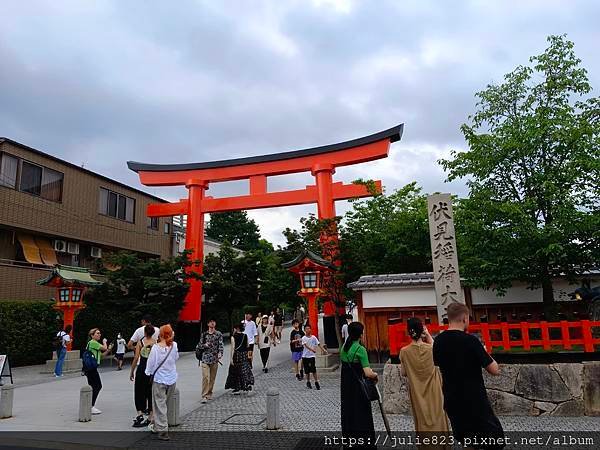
x=498 y=335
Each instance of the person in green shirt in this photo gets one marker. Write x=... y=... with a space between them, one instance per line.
x=93 y=377
x=356 y=414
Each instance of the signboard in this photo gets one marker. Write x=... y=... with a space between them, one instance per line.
x=443 y=253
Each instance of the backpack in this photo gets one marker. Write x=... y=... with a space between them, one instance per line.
x=200 y=347
x=57 y=341
x=88 y=360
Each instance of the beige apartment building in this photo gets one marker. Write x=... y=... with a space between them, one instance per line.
x=53 y=211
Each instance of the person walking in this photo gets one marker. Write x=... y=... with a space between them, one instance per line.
x=348 y=318
x=239 y=377
x=63 y=337
x=296 y=349
x=142 y=389
x=211 y=342
x=251 y=332
x=266 y=337
x=460 y=357
x=299 y=315
x=120 y=353
x=309 y=353
x=356 y=413
x=278 y=323
x=139 y=332
x=424 y=381
x=162 y=369
x=93 y=377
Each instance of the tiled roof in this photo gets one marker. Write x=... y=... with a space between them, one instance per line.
x=392 y=280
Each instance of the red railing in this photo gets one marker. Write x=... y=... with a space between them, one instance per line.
x=498 y=335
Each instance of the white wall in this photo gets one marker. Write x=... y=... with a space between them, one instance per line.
x=425 y=296
x=400 y=297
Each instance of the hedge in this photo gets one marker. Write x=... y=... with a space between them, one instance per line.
x=26 y=331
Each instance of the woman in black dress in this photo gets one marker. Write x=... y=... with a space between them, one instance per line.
x=240 y=377
x=357 y=417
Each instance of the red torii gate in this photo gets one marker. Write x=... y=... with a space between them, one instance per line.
x=320 y=161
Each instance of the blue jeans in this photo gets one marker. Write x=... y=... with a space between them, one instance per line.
x=60 y=359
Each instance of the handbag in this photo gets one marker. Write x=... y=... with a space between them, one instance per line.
x=368 y=386
x=151 y=380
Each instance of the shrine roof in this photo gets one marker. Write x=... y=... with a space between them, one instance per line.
x=393 y=134
x=70 y=274
x=312 y=257
x=393 y=280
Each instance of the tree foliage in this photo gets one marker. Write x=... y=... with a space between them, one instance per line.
x=230 y=282
x=139 y=287
x=234 y=227
x=386 y=234
x=533 y=170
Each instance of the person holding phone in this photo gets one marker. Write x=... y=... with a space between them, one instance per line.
x=424 y=380
x=98 y=350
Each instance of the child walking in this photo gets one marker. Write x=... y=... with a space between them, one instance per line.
x=296 y=348
x=310 y=344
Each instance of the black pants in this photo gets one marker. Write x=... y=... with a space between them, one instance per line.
x=93 y=379
x=142 y=390
x=264 y=355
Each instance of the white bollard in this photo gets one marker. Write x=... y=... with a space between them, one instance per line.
x=85 y=404
x=273 y=411
x=173 y=409
x=6 y=400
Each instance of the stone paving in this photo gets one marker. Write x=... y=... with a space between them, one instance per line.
x=305 y=410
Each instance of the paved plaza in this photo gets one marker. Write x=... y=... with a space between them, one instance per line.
x=43 y=403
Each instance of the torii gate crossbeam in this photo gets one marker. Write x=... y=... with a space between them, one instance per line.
x=320 y=161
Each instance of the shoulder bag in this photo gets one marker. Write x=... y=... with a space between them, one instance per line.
x=368 y=386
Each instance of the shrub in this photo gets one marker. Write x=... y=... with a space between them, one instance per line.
x=26 y=331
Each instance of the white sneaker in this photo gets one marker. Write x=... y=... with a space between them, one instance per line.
x=96 y=410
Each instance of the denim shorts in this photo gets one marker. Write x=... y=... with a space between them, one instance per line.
x=297 y=356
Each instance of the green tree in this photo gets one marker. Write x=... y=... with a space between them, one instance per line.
x=533 y=170
x=235 y=227
x=138 y=287
x=386 y=234
x=230 y=282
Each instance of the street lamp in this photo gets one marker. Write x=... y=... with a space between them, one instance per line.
x=312 y=269
x=70 y=283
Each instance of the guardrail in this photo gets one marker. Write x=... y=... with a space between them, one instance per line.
x=523 y=335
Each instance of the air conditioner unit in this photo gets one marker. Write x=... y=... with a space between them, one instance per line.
x=96 y=252
x=60 y=246
x=73 y=248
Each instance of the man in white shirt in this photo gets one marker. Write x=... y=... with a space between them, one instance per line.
x=64 y=337
x=345 y=327
x=138 y=335
x=251 y=332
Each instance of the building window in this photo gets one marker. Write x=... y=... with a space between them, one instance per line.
x=52 y=184
x=116 y=205
x=8 y=170
x=34 y=179
x=31 y=178
x=167 y=228
x=153 y=223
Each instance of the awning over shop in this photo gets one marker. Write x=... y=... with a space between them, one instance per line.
x=46 y=251
x=30 y=249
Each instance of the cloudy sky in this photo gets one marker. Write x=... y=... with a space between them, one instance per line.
x=99 y=83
